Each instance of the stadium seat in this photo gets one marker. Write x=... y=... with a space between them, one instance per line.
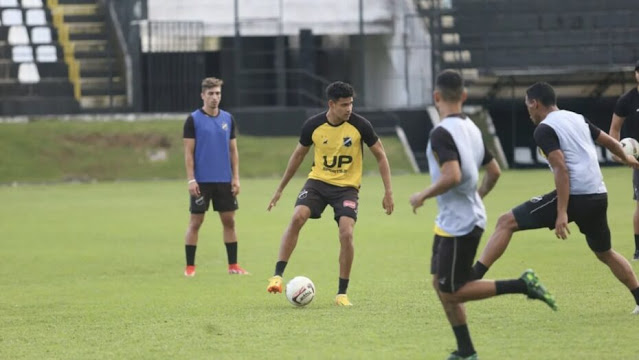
x=523 y=156
x=22 y=54
x=41 y=35
x=32 y=3
x=11 y=17
x=28 y=74
x=36 y=17
x=8 y=3
x=18 y=35
x=46 y=53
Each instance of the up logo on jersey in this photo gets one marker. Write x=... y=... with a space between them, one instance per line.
x=348 y=141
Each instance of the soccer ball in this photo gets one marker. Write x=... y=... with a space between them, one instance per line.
x=630 y=147
x=300 y=291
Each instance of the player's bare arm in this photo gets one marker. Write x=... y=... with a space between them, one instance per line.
x=612 y=144
x=235 y=167
x=384 y=170
x=615 y=126
x=562 y=184
x=189 y=149
x=294 y=163
x=449 y=178
x=493 y=172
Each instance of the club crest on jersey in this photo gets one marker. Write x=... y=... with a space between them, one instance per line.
x=303 y=194
x=225 y=126
x=348 y=141
x=349 y=203
x=325 y=141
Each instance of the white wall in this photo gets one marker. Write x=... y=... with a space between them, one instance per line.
x=398 y=65
x=265 y=17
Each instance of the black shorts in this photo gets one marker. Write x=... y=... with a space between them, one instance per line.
x=635 y=184
x=218 y=193
x=452 y=259
x=589 y=212
x=317 y=194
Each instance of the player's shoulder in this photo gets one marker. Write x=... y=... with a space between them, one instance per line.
x=225 y=113
x=357 y=119
x=315 y=120
x=632 y=94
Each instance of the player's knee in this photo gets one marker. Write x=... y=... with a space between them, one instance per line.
x=228 y=223
x=195 y=224
x=507 y=222
x=298 y=219
x=604 y=256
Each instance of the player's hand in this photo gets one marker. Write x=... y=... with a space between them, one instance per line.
x=416 y=201
x=388 y=204
x=274 y=200
x=194 y=189
x=561 y=226
x=235 y=187
x=632 y=162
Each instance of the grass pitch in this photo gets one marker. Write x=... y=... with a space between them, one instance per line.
x=94 y=271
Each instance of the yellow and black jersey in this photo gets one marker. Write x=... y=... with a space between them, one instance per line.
x=338 y=151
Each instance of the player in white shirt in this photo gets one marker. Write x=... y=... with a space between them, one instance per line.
x=567 y=139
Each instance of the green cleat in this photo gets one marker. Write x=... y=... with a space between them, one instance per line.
x=454 y=356
x=536 y=290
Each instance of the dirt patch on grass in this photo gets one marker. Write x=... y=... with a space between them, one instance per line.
x=135 y=140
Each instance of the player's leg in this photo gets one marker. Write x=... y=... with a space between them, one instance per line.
x=289 y=240
x=344 y=201
x=309 y=204
x=225 y=204
x=635 y=216
x=444 y=264
x=538 y=212
x=593 y=223
x=197 y=207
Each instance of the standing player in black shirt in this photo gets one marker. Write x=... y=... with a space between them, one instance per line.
x=627 y=108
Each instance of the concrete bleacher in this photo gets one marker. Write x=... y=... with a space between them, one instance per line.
x=33 y=75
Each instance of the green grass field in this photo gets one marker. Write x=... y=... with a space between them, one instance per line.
x=94 y=271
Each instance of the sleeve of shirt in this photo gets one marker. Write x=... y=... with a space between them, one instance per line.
x=488 y=156
x=189 y=128
x=443 y=146
x=594 y=130
x=621 y=107
x=306 y=137
x=368 y=134
x=232 y=127
x=546 y=138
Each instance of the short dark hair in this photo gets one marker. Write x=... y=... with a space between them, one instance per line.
x=450 y=85
x=542 y=92
x=339 y=89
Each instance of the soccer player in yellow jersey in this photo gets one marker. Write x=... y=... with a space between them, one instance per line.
x=338 y=136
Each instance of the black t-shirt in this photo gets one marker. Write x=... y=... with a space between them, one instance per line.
x=627 y=107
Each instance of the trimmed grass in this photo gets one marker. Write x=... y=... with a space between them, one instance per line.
x=94 y=271
x=46 y=151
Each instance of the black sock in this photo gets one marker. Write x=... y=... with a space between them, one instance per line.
x=279 y=268
x=636 y=242
x=231 y=252
x=515 y=286
x=190 y=254
x=343 y=285
x=464 y=344
x=635 y=293
x=479 y=270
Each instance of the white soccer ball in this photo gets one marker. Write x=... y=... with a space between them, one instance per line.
x=300 y=291
x=630 y=147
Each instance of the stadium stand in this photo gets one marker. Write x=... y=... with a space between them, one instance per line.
x=56 y=58
x=33 y=76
